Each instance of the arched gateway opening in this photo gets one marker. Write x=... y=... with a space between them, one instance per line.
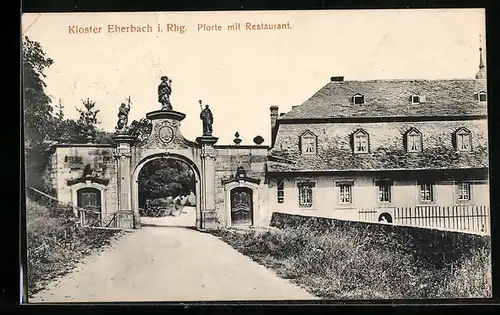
x=166 y=191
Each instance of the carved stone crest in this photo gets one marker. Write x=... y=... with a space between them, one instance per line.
x=164 y=132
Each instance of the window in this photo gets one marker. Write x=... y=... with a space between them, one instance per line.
x=305 y=194
x=463 y=191
x=384 y=191
x=360 y=143
x=481 y=96
x=345 y=193
x=426 y=192
x=413 y=141
x=463 y=140
x=417 y=99
x=308 y=143
x=281 y=191
x=358 y=99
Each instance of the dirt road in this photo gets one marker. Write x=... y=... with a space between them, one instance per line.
x=170 y=264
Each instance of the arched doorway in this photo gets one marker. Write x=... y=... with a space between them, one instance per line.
x=166 y=191
x=242 y=206
x=385 y=218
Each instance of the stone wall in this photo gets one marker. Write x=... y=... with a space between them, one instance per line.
x=433 y=245
x=68 y=163
x=253 y=160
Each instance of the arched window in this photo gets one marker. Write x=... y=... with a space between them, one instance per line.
x=360 y=141
x=463 y=140
x=413 y=140
x=308 y=143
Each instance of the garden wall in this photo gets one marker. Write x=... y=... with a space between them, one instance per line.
x=435 y=247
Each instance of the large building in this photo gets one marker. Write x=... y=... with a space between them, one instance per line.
x=397 y=148
x=380 y=145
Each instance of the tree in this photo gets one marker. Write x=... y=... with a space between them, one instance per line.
x=38 y=120
x=88 y=120
x=141 y=129
x=162 y=178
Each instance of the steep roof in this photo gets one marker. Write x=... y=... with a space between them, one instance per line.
x=391 y=98
x=380 y=159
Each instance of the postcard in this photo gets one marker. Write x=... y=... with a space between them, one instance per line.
x=256 y=156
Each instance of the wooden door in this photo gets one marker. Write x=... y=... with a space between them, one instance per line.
x=90 y=198
x=241 y=206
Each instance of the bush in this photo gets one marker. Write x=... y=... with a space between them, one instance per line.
x=158 y=207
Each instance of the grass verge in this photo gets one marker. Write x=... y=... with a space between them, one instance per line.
x=349 y=264
x=55 y=245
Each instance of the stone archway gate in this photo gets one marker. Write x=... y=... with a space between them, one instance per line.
x=113 y=171
x=166 y=141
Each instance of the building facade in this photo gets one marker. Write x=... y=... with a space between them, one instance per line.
x=380 y=145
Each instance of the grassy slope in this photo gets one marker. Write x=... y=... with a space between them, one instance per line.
x=55 y=244
x=348 y=265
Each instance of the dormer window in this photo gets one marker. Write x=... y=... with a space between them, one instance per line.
x=413 y=140
x=360 y=141
x=415 y=99
x=308 y=143
x=358 y=99
x=480 y=96
x=463 y=140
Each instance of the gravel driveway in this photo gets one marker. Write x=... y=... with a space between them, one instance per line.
x=169 y=264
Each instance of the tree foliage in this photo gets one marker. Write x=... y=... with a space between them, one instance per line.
x=141 y=128
x=162 y=178
x=39 y=124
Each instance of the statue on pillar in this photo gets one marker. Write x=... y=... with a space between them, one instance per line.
x=164 y=91
x=123 y=111
x=208 y=119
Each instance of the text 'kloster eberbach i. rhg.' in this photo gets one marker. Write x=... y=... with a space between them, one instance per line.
x=173 y=27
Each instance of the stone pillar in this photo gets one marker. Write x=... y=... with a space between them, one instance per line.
x=208 y=214
x=122 y=155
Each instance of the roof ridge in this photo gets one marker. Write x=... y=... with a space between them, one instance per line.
x=404 y=80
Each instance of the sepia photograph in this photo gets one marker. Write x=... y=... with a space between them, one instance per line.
x=230 y=156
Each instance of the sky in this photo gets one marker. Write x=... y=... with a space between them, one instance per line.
x=240 y=74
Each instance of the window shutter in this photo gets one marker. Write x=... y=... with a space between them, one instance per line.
x=476 y=97
x=422 y=99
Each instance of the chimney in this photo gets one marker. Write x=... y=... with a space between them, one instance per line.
x=274 y=115
x=337 y=79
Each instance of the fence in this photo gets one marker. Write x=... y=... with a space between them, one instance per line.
x=465 y=218
x=117 y=219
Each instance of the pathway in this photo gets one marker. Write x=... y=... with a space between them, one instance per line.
x=170 y=264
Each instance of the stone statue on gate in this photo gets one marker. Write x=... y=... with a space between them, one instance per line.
x=164 y=91
x=208 y=119
x=123 y=111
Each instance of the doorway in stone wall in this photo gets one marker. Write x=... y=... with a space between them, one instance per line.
x=166 y=192
x=241 y=206
x=89 y=198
